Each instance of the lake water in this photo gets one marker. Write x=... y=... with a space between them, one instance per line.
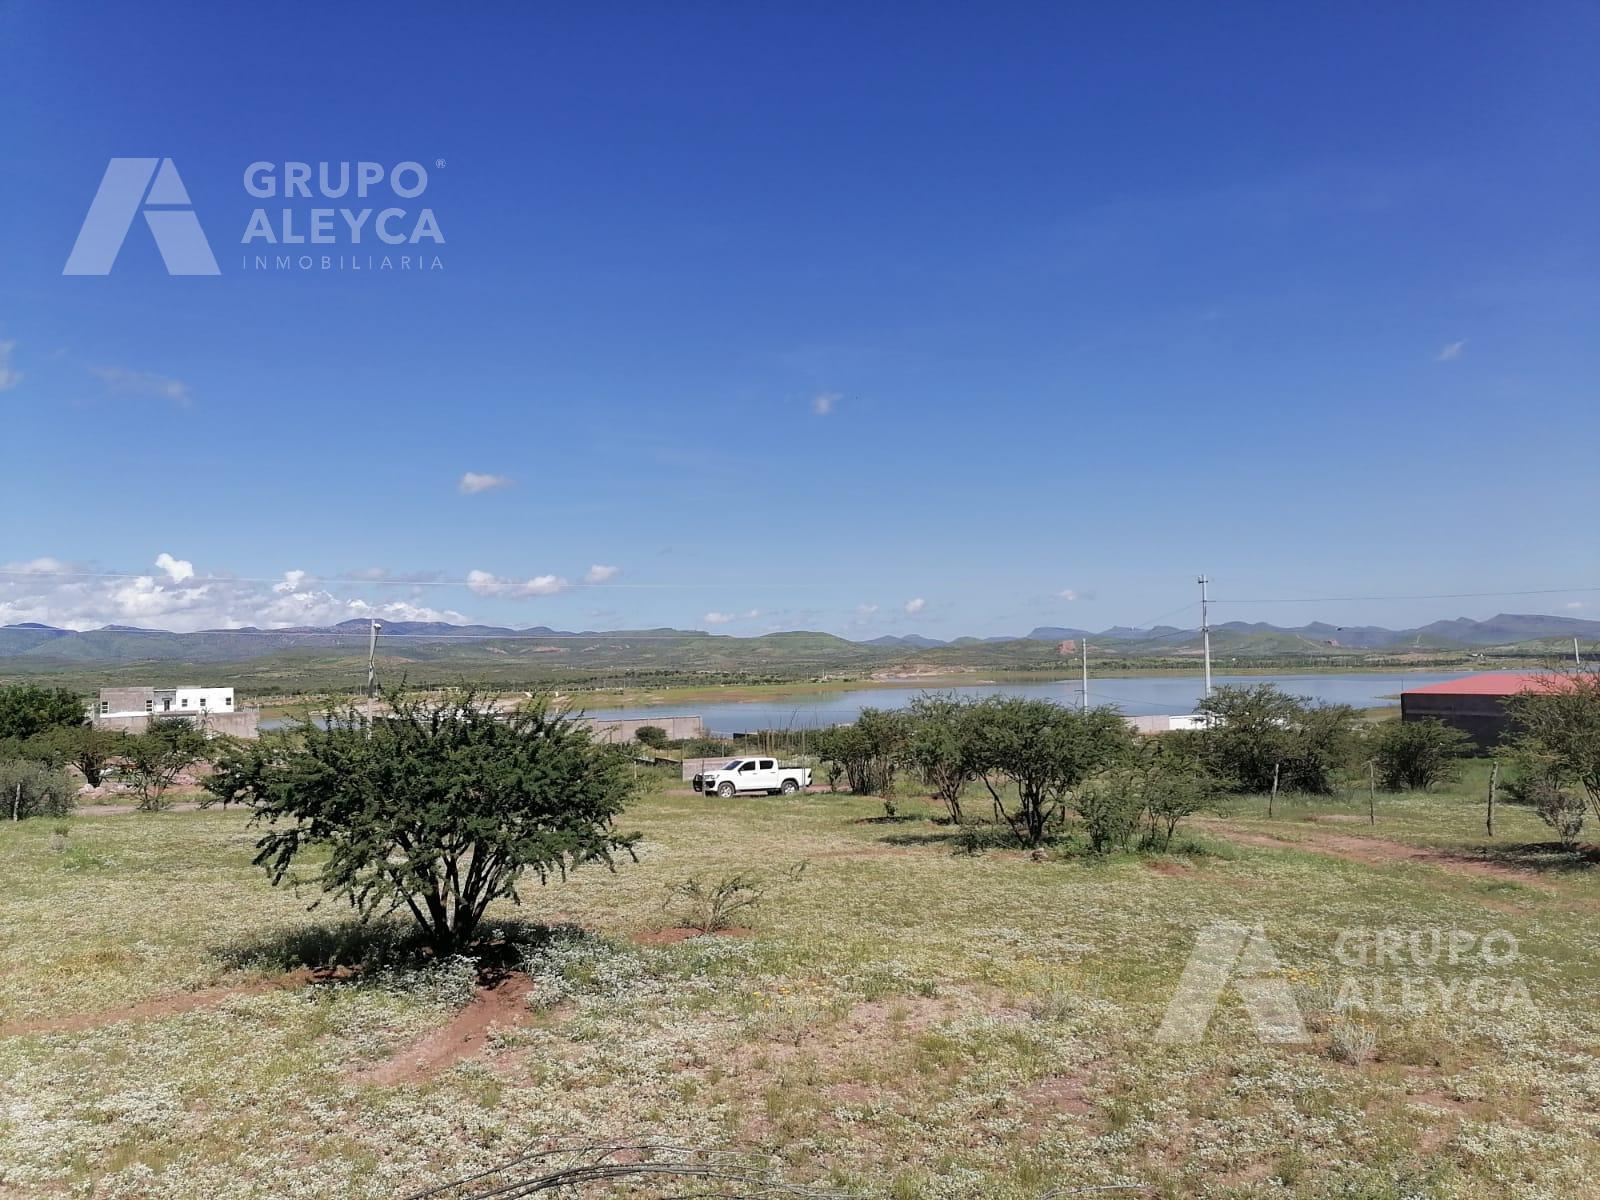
x=1133 y=694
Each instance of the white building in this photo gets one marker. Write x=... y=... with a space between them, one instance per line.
x=133 y=708
x=1166 y=722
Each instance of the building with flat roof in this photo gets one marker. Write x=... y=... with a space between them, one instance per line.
x=1476 y=705
x=131 y=709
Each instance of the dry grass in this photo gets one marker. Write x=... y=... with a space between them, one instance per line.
x=903 y=1021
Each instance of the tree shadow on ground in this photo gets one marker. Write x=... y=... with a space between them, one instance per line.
x=364 y=947
x=1542 y=857
x=929 y=837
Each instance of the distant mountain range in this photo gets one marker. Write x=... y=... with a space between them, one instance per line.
x=45 y=645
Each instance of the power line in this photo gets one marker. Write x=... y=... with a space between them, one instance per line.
x=1417 y=596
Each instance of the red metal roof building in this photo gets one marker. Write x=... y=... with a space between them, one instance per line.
x=1476 y=705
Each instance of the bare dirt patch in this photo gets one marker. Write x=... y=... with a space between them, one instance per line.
x=172 y=1005
x=499 y=1002
x=1167 y=867
x=1058 y=1094
x=1371 y=851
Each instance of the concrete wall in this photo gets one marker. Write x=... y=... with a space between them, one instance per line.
x=1164 y=722
x=678 y=728
x=243 y=724
x=125 y=700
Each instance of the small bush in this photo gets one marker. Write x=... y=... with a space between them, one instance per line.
x=652 y=736
x=1561 y=808
x=709 y=907
x=1417 y=755
x=974 y=837
x=1352 y=1043
x=1110 y=815
x=30 y=789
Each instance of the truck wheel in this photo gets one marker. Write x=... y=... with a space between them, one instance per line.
x=790 y=787
x=725 y=790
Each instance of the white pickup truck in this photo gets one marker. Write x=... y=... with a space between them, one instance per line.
x=753 y=775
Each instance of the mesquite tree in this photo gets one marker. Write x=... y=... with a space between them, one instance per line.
x=1555 y=746
x=438 y=806
x=1045 y=753
x=156 y=757
x=1416 y=755
x=940 y=745
x=867 y=751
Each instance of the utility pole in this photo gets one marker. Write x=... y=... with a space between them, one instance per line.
x=1085 y=674
x=1205 y=628
x=372 y=660
x=1577 y=659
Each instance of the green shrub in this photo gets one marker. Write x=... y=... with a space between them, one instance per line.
x=652 y=736
x=1416 y=755
x=1258 y=734
x=31 y=789
x=1111 y=812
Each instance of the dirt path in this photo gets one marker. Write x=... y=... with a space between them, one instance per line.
x=502 y=1002
x=1372 y=851
x=172 y=1005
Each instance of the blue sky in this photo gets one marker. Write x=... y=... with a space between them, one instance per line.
x=799 y=314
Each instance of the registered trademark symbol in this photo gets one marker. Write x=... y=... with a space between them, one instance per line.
x=438 y=163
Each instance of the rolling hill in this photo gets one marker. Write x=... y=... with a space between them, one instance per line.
x=336 y=655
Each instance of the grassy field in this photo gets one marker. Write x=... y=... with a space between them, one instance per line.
x=903 y=1020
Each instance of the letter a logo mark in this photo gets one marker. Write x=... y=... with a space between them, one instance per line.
x=1226 y=954
x=151 y=184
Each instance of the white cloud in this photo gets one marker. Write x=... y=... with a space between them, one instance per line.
x=722 y=618
x=9 y=376
x=1067 y=594
x=1451 y=352
x=823 y=403
x=913 y=607
x=143 y=598
x=177 y=569
x=601 y=574
x=1575 y=604
x=484 y=584
x=71 y=597
x=866 y=610
x=143 y=383
x=472 y=483
x=36 y=566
